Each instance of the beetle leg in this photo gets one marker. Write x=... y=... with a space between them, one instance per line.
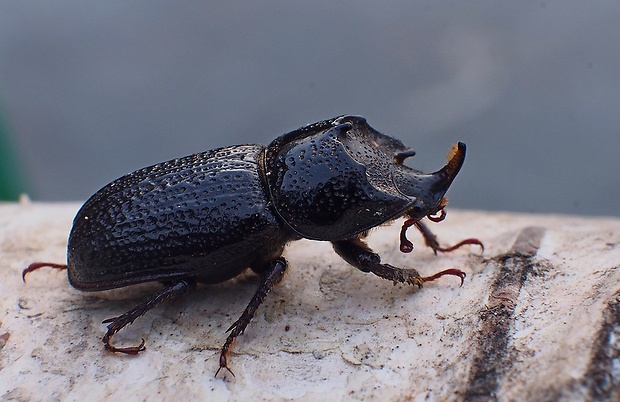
x=269 y=279
x=357 y=253
x=431 y=240
x=406 y=246
x=36 y=265
x=171 y=291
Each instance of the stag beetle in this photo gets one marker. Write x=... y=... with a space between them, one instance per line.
x=208 y=217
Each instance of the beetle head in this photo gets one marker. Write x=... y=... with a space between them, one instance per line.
x=340 y=177
x=383 y=158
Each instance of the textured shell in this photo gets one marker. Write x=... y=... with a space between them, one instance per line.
x=334 y=179
x=203 y=215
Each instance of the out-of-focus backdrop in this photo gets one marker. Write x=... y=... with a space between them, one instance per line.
x=92 y=90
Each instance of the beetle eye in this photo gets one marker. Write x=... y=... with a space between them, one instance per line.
x=399 y=157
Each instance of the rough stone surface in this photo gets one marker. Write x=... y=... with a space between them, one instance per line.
x=538 y=318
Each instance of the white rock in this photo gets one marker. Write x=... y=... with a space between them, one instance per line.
x=538 y=318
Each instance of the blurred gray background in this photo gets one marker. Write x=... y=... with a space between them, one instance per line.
x=92 y=90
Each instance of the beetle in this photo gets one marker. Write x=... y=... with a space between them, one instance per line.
x=208 y=217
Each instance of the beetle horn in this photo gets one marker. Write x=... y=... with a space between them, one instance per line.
x=446 y=175
x=426 y=191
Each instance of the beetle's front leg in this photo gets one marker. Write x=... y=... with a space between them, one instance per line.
x=431 y=240
x=357 y=253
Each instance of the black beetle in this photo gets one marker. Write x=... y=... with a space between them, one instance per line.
x=210 y=216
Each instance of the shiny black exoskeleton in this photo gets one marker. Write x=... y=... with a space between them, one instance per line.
x=210 y=216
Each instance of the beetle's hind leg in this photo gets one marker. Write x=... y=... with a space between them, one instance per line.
x=357 y=253
x=171 y=291
x=269 y=279
x=36 y=265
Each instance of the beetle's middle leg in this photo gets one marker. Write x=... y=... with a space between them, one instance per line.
x=171 y=291
x=269 y=279
x=357 y=253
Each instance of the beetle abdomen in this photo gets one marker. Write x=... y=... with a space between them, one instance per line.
x=198 y=215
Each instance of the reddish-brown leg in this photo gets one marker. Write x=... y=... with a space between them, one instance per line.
x=36 y=265
x=405 y=245
x=431 y=240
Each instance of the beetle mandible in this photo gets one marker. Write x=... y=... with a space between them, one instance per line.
x=210 y=216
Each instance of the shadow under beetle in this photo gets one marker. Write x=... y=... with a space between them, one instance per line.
x=210 y=216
